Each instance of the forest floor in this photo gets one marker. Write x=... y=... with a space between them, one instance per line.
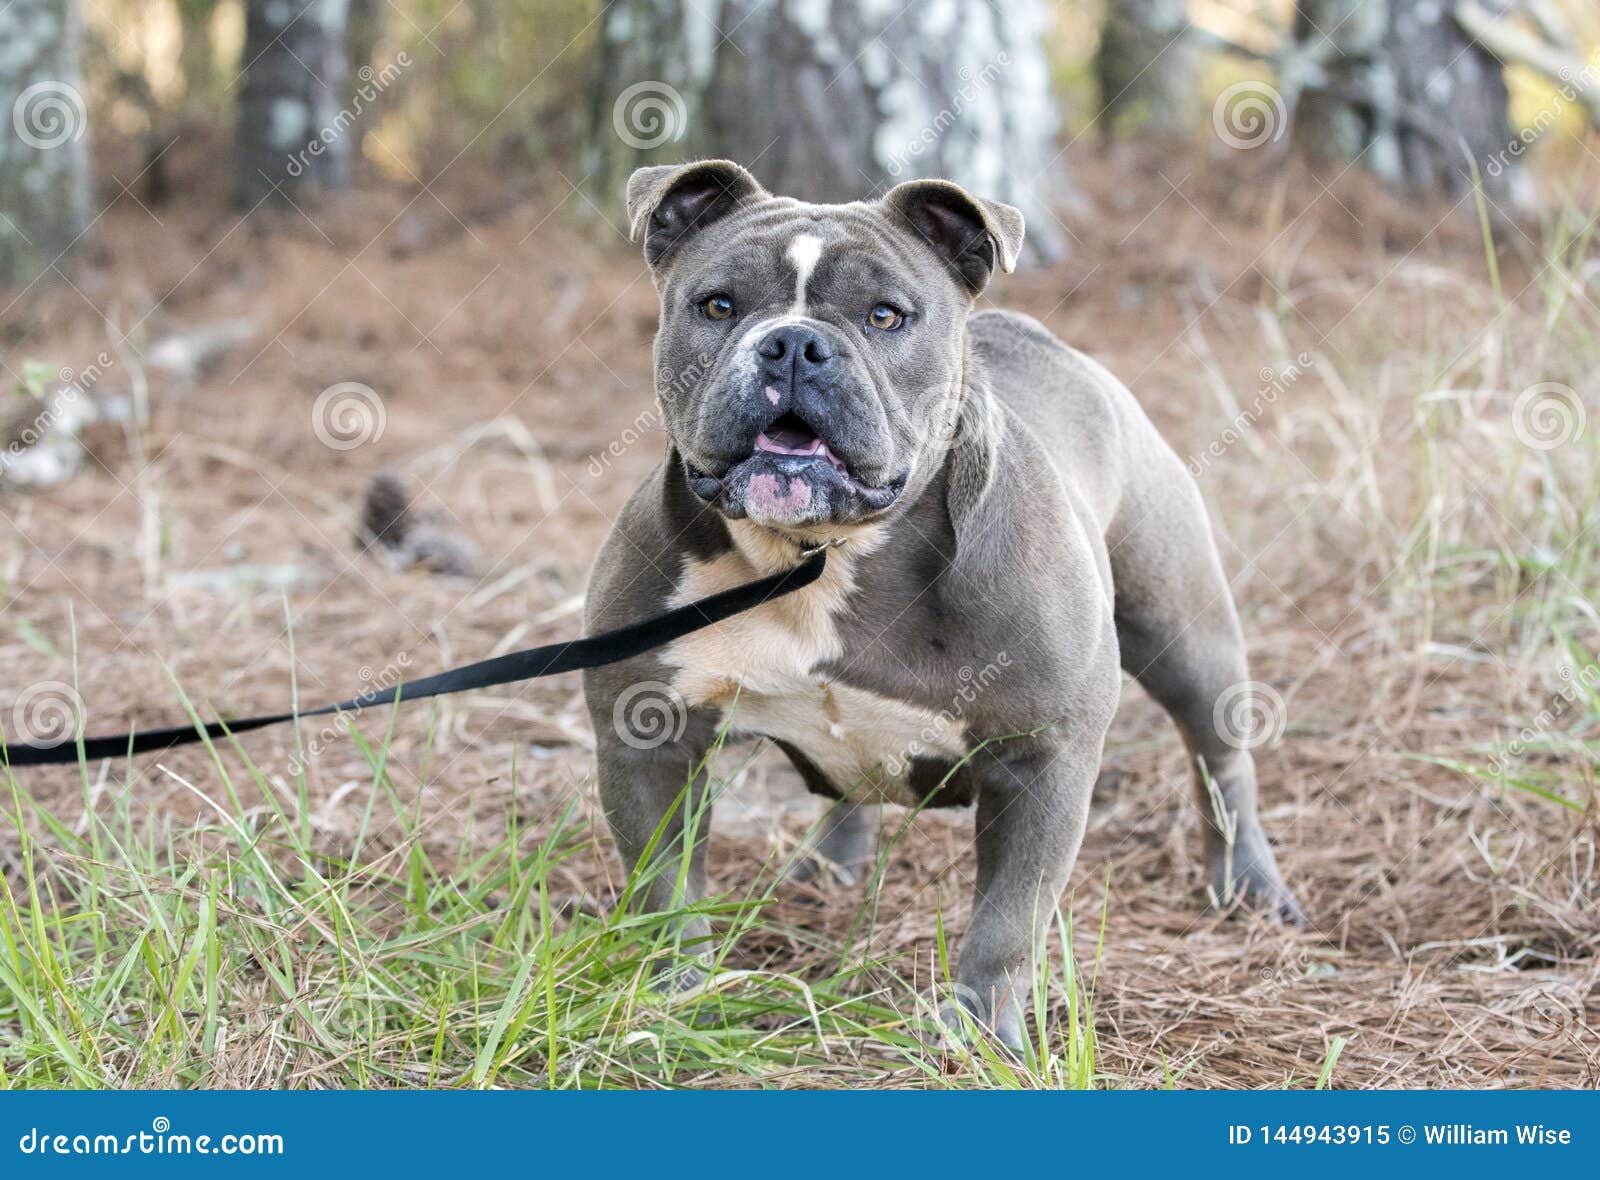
x=1412 y=572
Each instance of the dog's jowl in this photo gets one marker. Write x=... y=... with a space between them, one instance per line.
x=1011 y=534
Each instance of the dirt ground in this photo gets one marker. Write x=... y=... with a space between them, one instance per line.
x=1373 y=537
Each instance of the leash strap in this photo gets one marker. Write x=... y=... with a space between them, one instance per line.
x=552 y=659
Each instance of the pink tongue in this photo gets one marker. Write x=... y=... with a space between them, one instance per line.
x=763 y=443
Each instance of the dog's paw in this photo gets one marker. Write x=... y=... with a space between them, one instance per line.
x=964 y=1025
x=1257 y=886
x=678 y=976
x=812 y=877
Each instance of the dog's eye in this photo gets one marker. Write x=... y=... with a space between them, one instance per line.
x=718 y=307
x=885 y=318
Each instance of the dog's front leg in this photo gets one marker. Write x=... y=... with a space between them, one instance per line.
x=1032 y=810
x=657 y=801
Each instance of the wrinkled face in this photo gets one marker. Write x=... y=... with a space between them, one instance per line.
x=806 y=358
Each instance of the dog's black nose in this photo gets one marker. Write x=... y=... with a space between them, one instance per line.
x=801 y=346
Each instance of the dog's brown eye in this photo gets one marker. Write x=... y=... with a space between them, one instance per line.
x=718 y=307
x=885 y=318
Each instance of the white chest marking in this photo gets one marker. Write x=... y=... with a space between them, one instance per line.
x=803 y=251
x=764 y=667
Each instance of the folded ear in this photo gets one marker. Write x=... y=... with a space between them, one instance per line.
x=971 y=234
x=669 y=203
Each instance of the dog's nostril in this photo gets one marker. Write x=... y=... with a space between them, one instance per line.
x=796 y=343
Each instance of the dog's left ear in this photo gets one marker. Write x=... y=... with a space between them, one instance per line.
x=668 y=203
x=971 y=234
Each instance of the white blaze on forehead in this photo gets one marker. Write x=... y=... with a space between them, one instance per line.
x=803 y=251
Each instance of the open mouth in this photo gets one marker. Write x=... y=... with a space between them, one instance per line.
x=792 y=477
x=790 y=435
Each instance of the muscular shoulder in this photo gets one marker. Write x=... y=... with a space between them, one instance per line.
x=639 y=566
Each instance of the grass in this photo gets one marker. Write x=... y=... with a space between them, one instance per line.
x=1414 y=577
x=234 y=952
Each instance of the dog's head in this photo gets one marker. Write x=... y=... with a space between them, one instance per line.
x=810 y=359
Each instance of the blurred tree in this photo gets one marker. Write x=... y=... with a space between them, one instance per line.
x=197 y=55
x=291 y=132
x=44 y=155
x=829 y=100
x=364 y=25
x=1401 y=87
x=1148 y=68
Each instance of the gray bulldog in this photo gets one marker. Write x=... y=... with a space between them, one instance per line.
x=1008 y=533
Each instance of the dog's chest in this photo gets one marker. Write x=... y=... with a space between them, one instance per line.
x=765 y=672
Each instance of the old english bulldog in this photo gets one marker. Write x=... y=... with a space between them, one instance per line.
x=999 y=502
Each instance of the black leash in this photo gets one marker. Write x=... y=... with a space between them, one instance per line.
x=553 y=658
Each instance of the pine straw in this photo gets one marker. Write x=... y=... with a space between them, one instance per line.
x=1381 y=547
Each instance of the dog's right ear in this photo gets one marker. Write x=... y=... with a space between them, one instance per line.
x=670 y=203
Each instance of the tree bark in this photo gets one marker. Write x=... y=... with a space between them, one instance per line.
x=833 y=100
x=294 y=133
x=44 y=145
x=1407 y=94
x=1148 y=68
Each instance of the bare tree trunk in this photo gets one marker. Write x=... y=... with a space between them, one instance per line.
x=831 y=100
x=1148 y=68
x=292 y=132
x=44 y=146
x=364 y=25
x=197 y=52
x=1408 y=94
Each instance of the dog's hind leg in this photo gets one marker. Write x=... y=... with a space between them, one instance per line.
x=1180 y=638
x=842 y=846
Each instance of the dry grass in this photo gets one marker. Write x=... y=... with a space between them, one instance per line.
x=1410 y=573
